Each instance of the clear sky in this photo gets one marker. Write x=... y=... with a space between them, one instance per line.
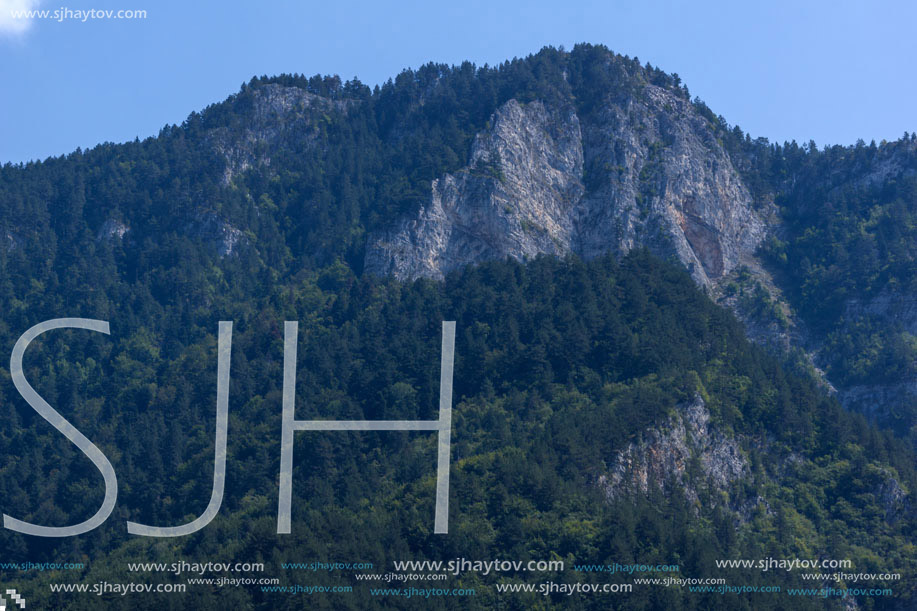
x=832 y=71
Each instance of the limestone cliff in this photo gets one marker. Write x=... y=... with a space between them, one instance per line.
x=644 y=172
x=686 y=454
x=644 y=169
x=638 y=166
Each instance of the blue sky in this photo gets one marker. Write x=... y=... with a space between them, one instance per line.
x=829 y=71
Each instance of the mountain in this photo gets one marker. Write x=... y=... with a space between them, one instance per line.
x=643 y=169
x=611 y=252
x=647 y=167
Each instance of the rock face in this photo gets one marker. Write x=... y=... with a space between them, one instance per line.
x=894 y=307
x=639 y=170
x=895 y=501
x=279 y=117
x=112 y=229
x=889 y=309
x=221 y=236
x=663 y=178
x=685 y=454
x=514 y=199
x=646 y=172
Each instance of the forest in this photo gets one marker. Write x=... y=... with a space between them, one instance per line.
x=561 y=365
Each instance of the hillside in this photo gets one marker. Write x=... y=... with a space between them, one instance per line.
x=606 y=246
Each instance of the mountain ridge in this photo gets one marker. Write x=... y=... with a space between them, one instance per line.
x=582 y=151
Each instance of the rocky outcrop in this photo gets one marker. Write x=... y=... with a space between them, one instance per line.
x=111 y=229
x=892 y=307
x=877 y=401
x=891 y=310
x=514 y=199
x=686 y=454
x=279 y=118
x=12 y=241
x=894 y=499
x=646 y=172
x=209 y=228
x=663 y=181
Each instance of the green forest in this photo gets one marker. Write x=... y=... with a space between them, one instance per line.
x=560 y=364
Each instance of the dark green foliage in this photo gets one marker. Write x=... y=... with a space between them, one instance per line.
x=559 y=364
x=850 y=225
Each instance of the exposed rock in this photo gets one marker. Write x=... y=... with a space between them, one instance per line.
x=754 y=297
x=280 y=118
x=663 y=458
x=751 y=294
x=893 y=307
x=894 y=499
x=210 y=228
x=663 y=181
x=512 y=200
x=890 y=165
x=896 y=311
x=12 y=241
x=112 y=229
x=657 y=176
x=877 y=400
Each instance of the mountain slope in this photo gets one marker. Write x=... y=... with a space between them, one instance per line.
x=606 y=410
x=643 y=170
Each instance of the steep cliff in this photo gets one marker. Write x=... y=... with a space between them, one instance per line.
x=514 y=199
x=644 y=171
x=642 y=166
